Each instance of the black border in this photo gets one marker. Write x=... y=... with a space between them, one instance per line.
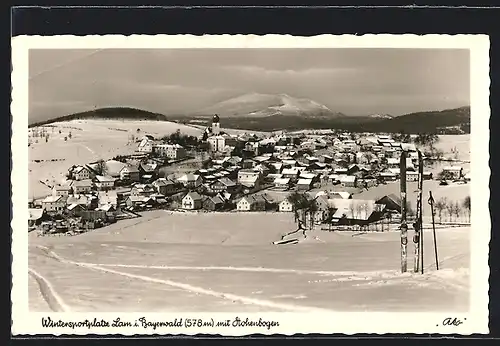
x=294 y=21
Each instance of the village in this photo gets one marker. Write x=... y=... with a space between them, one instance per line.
x=314 y=176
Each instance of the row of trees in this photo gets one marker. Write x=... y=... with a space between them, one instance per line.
x=42 y=133
x=423 y=139
x=182 y=139
x=453 y=209
x=304 y=209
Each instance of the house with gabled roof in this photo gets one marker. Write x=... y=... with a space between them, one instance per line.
x=108 y=198
x=304 y=184
x=36 y=216
x=78 y=199
x=249 y=178
x=130 y=173
x=251 y=203
x=190 y=181
x=391 y=202
x=81 y=173
x=114 y=167
x=82 y=186
x=282 y=183
x=192 y=201
x=75 y=209
x=146 y=144
x=164 y=186
x=138 y=201
x=62 y=190
x=223 y=185
x=356 y=211
x=291 y=173
x=104 y=183
x=348 y=180
x=214 y=203
x=144 y=190
x=148 y=170
x=54 y=204
x=285 y=205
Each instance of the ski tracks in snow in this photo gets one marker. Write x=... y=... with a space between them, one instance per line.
x=49 y=294
x=183 y=286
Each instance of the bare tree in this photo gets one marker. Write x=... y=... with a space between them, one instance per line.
x=359 y=210
x=329 y=219
x=457 y=210
x=366 y=209
x=440 y=207
x=352 y=209
x=299 y=202
x=378 y=209
x=312 y=209
x=450 y=208
x=101 y=168
x=466 y=205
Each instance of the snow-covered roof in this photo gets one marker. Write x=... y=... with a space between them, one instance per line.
x=341 y=194
x=290 y=171
x=282 y=181
x=355 y=209
x=347 y=178
x=52 y=199
x=194 y=195
x=452 y=168
x=104 y=179
x=188 y=177
x=307 y=175
x=114 y=167
x=35 y=214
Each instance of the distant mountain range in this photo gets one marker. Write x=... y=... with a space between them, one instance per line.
x=265 y=112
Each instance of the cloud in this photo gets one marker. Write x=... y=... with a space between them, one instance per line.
x=304 y=73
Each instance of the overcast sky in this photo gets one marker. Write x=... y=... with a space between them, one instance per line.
x=352 y=81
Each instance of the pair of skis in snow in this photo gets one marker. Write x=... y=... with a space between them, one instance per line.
x=417 y=225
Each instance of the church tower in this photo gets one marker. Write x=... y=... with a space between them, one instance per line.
x=215 y=125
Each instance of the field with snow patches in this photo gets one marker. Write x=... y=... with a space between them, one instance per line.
x=182 y=262
x=91 y=140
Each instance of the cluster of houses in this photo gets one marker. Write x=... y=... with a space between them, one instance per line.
x=257 y=177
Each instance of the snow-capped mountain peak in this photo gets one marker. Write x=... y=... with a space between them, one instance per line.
x=264 y=105
x=381 y=116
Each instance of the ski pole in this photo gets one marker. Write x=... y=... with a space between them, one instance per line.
x=431 y=202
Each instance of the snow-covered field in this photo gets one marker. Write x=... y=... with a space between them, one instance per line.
x=462 y=144
x=226 y=262
x=90 y=140
x=454 y=192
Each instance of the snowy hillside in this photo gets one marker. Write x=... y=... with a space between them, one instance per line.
x=264 y=105
x=381 y=116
